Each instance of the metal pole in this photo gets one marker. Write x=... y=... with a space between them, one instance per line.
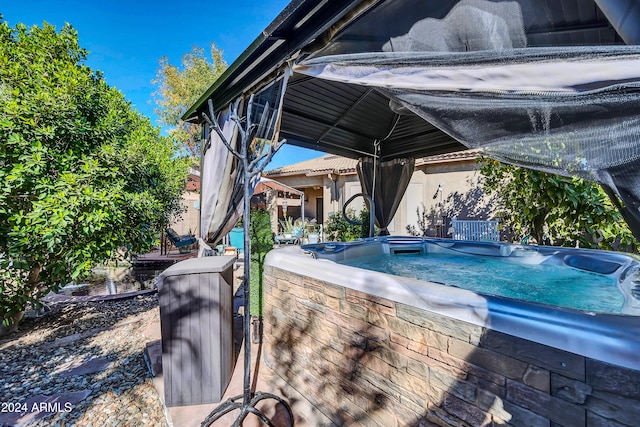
x=250 y=169
x=302 y=209
x=246 y=222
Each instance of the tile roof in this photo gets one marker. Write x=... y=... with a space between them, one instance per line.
x=329 y=163
x=451 y=157
x=332 y=163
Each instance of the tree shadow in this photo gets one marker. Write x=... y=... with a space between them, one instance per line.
x=472 y=204
x=61 y=321
x=309 y=357
x=360 y=364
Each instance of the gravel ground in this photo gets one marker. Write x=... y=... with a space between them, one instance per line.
x=50 y=355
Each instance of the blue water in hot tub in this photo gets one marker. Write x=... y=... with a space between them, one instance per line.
x=542 y=283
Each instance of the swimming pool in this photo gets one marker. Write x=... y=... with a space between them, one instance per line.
x=113 y=281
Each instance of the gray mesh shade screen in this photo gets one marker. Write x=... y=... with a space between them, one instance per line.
x=469 y=68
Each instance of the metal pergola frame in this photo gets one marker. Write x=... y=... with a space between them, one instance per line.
x=346 y=119
x=251 y=168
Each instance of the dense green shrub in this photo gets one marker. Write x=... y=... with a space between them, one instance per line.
x=555 y=209
x=339 y=229
x=261 y=243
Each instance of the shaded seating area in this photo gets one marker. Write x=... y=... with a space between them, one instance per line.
x=293 y=238
x=180 y=242
x=388 y=82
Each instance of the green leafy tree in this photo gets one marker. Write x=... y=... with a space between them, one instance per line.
x=83 y=177
x=547 y=206
x=179 y=88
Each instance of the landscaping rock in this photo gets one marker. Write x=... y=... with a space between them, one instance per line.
x=87 y=355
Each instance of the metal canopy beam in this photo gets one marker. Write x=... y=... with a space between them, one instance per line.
x=316 y=113
x=354 y=105
x=302 y=22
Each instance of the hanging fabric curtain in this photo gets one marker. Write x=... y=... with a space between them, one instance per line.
x=567 y=110
x=391 y=180
x=221 y=173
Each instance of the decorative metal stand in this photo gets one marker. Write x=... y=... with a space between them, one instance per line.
x=246 y=408
x=251 y=168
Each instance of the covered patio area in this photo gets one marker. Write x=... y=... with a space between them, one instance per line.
x=278 y=203
x=544 y=84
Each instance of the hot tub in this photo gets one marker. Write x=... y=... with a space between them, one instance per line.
x=587 y=280
x=610 y=336
x=427 y=343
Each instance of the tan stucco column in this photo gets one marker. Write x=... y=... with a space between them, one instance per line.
x=272 y=206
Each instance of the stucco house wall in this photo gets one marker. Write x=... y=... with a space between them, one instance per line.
x=189 y=222
x=334 y=180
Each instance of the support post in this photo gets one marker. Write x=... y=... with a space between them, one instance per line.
x=247 y=402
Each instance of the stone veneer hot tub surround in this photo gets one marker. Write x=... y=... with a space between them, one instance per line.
x=387 y=350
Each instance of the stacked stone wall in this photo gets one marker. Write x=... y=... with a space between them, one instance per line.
x=368 y=361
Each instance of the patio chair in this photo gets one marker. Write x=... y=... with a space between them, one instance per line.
x=180 y=242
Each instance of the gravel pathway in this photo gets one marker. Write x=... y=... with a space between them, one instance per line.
x=85 y=361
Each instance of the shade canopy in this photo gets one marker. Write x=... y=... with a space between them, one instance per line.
x=546 y=84
x=346 y=119
x=266 y=184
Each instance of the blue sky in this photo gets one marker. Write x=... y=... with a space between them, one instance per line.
x=125 y=39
